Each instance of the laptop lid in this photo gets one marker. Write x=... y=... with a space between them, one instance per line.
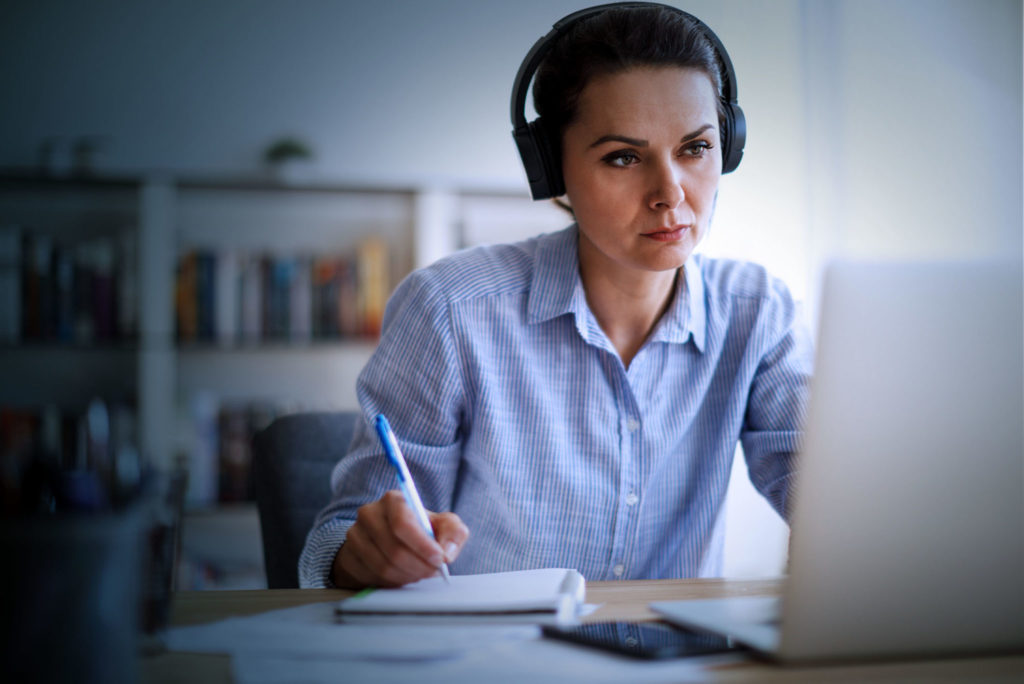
x=908 y=520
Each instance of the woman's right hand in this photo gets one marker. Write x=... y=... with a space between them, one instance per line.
x=387 y=547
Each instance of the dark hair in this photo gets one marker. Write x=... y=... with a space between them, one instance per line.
x=610 y=42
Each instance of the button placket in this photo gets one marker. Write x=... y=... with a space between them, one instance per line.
x=629 y=446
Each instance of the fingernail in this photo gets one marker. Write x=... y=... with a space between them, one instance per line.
x=450 y=550
x=436 y=560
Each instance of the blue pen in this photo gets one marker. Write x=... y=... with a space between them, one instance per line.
x=412 y=497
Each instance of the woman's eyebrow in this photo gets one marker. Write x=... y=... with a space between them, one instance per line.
x=691 y=136
x=637 y=142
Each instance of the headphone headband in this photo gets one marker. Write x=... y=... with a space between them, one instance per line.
x=540 y=155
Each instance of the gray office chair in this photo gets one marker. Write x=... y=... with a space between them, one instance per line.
x=291 y=469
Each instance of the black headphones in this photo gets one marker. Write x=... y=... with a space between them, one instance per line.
x=542 y=160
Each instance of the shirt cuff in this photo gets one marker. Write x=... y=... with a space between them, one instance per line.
x=317 y=557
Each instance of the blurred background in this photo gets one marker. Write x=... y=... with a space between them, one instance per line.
x=204 y=205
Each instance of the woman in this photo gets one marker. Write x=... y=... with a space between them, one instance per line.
x=575 y=400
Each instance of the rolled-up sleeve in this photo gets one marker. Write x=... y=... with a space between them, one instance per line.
x=777 y=399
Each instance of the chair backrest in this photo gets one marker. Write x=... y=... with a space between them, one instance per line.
x=291 y=470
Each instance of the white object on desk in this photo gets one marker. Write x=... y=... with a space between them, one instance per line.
x=542 y=595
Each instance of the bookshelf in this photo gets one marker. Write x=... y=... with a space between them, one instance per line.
x=91 y=283
x=169 y=332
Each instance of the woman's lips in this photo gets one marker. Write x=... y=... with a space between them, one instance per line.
x=666 y=234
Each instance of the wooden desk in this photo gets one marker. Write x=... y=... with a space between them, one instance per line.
x=625 y=600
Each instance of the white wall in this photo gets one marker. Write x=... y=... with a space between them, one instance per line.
x=876 y=127
x=914 y=110
x=386 y=91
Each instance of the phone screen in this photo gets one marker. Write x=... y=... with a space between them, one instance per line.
x=643 y=639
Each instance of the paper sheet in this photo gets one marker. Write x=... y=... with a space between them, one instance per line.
x=312 y=631
x=536 y=661
x=305 y=644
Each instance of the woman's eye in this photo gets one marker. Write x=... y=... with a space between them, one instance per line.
x=698 y=148
x=621 y=158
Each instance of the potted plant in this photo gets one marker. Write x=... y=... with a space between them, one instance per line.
x=288 y=160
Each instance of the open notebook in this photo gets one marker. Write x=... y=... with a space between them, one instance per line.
x=547 y=595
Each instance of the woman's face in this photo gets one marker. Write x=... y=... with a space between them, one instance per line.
x=641 y=163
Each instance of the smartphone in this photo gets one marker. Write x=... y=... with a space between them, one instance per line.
x=643 y=639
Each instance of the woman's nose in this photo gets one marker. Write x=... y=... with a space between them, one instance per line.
x=666 y=187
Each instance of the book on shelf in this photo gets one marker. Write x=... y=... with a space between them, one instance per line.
x=201 y=449
x=278 y=272
x=83 y=323
x=300 y=303
x=186 y=302
x=250 y=279
x=218 y=454
x=227 y=281
x=64 y=281
x=73 y=291
x=373 y=284
x=104 y=290
x=239 y=423
x=347 y=305
x=206 y=263
x=128 y=282
x=37 y=286
x=10 y=284
x=58 y=459
x=334 y=296
x=228 y=297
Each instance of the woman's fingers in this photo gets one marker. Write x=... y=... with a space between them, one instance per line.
x=451 y=533
x=387 y=546
x=408 y=532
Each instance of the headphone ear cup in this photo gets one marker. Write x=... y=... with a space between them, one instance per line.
x=551 y=158
x=734 y=137
x=542 y=164
x=533 y=160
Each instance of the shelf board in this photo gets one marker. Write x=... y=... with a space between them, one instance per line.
x=21 y=177
x=261 y=184
x=68 y=377
x=277 y=347
x=30 y=179
x=307 y=378
x=57 y=347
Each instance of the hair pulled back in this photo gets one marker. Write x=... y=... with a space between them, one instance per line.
x=614 y=41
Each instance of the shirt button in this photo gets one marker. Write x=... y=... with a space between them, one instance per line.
x=632 y=424
x=618 y=570
x=631 y=499
x=632 y=641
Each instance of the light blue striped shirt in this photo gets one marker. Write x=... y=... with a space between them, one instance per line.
x=515 y=411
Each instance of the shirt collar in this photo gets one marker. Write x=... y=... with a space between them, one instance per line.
x=686 y=317
x=556 y=289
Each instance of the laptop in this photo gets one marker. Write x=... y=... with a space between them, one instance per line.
x=907 y=527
